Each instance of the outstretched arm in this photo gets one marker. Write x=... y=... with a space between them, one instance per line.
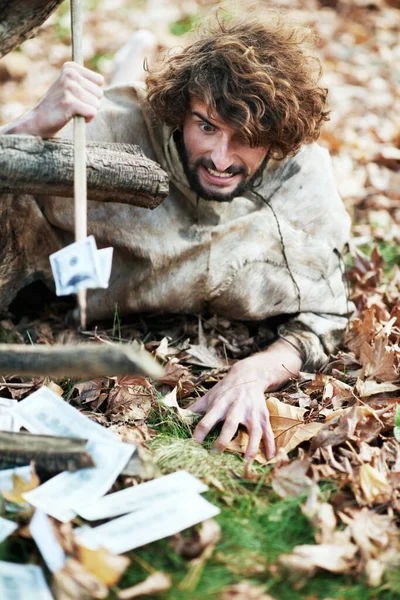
x=76 y=91
x=239 y=397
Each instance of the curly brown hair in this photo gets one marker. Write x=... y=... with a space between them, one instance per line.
x=256 y=74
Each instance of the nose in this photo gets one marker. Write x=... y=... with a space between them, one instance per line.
x=221 y=154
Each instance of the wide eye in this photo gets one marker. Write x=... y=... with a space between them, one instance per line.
x=206 y=127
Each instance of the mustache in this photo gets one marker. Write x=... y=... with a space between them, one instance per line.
x=233 y=169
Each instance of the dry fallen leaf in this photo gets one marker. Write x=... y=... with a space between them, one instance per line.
x=76 y=583
x=374 y=485
x=185 y=414
x=107 y=567
x=173 y=373
x=288 y=425
x=380 y=360
x=154 y=584
x=245 y=590
x=208 y=534
x=20 y=486
x=306 y=559
x=291 y=479
x=54 y=387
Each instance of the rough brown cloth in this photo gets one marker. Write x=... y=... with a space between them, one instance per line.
x=277 y=252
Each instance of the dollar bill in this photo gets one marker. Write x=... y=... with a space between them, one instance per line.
x=58 y=496
x=43 y=412
x=6 y=528
x=157 y=521
x=140 y=496
x=81 y=266
x=22 y=582
x=7 y=421
x=43 y=533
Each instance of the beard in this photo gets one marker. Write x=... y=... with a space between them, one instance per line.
x=192 y=174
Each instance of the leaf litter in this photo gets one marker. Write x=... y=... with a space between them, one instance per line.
x=341 y=425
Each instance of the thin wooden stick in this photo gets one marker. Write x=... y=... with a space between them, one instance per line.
x=80 y=192
x=82 y=360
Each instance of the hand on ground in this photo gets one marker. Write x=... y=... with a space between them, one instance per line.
x=237 y=399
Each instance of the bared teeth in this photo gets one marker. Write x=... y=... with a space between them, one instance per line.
x=218 y=173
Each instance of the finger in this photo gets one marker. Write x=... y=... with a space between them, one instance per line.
x=268 y=439
x=253 y=446
x=200 y=406
x=84 y=72
x=228 y=431
x=76 y=107
x=207 y=423
x=91 y=87
x=80 y=93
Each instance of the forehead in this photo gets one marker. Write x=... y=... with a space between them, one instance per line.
x=197 y=105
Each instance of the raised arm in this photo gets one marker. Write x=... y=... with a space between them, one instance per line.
x=76 y=91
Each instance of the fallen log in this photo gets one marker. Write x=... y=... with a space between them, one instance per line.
x=20 y=20
x=85 y=360
x=50 y=453
x=115 y=172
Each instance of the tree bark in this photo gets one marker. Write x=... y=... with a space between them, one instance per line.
x=115 y=172
x=85 y=360
x=20 y=19
x=52 y=454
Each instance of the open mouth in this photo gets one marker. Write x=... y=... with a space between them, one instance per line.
x=218 y=177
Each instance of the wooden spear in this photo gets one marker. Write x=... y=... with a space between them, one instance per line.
x=80 y=191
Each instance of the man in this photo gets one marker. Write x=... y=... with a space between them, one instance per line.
x=253 y=227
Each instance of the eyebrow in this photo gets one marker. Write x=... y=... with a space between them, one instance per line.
x=203 y=118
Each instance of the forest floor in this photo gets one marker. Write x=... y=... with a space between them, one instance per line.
x=322 y=520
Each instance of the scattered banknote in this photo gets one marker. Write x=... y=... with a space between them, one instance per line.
x=22 y=582
x=6 y=528
x=157 y=521
x=140 y=496
x=59 y=496
x=43 y=412
x=7 y=421
x=80 y=266
x=43 y=533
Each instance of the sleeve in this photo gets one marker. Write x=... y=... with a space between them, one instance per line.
x=319 y=335
x=316 y=232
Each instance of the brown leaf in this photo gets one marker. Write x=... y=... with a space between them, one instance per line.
x=370 y=387
x=156 y=583
x=355 y=423
x=291 y=480
x=75 y=582
x=54 y=387
x=191 y=547
x=288 y=425
x=245 y=590
x=20 y=486
x=89 y=391
x=185 y=414
x=380 y=360
x=362 y=331
x=173 y=373
x=129 y=403
x=107 y=567
x=137 y=434
x=374 y=485
x=306 y=559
